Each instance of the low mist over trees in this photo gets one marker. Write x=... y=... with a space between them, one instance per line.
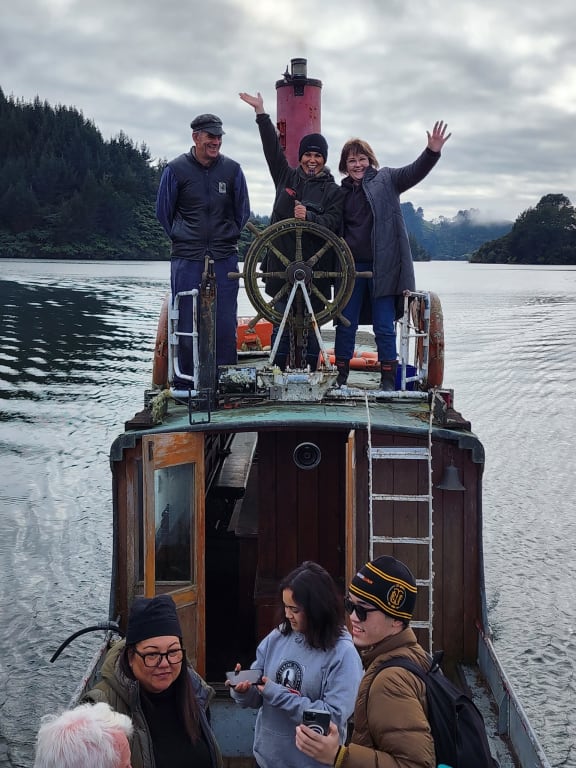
x=545 y=234
x=451 y=239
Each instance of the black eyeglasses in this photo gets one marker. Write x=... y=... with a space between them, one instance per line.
x=361 y=611
x=155 y=659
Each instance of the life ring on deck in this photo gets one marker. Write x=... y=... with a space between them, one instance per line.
x=160 y=360
x=435 y=375
x=361 y=361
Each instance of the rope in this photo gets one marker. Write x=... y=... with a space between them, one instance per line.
x=370 y=518
x=430 y=524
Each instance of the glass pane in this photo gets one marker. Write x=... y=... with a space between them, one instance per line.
x=174 y=522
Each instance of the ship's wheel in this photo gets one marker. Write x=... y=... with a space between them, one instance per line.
x=295 y=270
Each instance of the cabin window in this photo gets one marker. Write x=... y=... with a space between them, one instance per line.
x=174 y=522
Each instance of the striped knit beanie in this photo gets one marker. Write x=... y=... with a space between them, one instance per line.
x=387 y=584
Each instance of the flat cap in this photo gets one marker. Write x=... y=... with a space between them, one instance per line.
x=209 y=123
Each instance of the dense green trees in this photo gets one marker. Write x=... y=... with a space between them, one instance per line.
x=545 y=234
x=66 y=193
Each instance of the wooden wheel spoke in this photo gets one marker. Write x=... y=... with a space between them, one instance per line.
x=279 y=255
x=286 y=288
x=315 y=291
x=319 y=253
x=298 y=249
x=278 y=275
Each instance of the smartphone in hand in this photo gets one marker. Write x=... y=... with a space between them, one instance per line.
x=317 y=719
x=253 y=676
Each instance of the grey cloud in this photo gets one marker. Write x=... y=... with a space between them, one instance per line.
x=501 y=74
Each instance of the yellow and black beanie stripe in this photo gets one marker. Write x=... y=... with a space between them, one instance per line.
x=387 y=584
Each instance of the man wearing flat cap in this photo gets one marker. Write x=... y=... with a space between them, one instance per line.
x=390 y=717
x=203 y=205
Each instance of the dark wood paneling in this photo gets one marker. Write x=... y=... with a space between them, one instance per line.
x=457 y=545
x=301 y=512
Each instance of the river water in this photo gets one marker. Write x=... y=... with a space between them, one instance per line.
x=76 y=343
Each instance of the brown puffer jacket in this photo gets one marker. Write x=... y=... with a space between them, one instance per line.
x=391 y=730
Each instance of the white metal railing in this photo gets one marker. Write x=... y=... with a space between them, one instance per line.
x=174 y=335
x=411 y=337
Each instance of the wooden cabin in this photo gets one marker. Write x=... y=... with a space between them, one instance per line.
x=216 y=512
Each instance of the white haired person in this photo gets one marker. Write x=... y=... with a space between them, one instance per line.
x=91 y=736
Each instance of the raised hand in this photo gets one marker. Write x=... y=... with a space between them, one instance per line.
x=255 y=101
x=438 y=137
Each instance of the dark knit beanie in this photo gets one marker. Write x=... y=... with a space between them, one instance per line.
x=387 y=584
x=314 y=142
x=152 y=617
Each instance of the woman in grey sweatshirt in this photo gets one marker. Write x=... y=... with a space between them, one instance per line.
x=308 y=662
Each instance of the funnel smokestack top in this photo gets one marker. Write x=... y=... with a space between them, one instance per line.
x=298 y=75
x=298 y=108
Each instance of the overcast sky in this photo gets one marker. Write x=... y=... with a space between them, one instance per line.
x=501 y=73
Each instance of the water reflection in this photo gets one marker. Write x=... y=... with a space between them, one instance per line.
x=76 y=343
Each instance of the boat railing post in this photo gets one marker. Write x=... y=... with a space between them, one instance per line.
x=174 y=335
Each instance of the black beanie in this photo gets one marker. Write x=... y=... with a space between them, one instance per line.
x=387 y=584
x=313 y=142
x=152 y=617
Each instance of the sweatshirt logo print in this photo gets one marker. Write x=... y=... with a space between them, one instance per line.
x=289 y=674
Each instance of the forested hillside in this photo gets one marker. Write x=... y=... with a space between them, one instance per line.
x=67 y=193
x=545 y=234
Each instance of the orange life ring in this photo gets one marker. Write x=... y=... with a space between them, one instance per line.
x=361 y=361
x=435 y=375
x=160 y=361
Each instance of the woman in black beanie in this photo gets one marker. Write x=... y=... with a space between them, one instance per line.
x=146 y=676
x=308 y=192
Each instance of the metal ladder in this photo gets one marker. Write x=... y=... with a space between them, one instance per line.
x=406 y=453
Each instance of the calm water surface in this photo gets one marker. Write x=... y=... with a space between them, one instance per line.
x=76 y=343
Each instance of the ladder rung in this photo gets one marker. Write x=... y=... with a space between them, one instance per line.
x=401 y=539
x=400 y=452
x=399 y=497
x=420 y=624
x=422 y=582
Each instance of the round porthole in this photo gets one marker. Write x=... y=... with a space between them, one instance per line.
x=307 y=456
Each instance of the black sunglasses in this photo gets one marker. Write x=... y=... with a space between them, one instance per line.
x=361 y=611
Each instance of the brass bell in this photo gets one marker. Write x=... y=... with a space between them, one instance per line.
x=451 y=479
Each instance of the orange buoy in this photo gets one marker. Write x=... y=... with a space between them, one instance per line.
x=361 y=361
x=160 y=361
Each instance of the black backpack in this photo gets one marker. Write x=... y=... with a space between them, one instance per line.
x=456 y=723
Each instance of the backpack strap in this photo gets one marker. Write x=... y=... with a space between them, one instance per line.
x=411 y=666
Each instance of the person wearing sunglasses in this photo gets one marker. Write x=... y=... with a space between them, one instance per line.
x=390 y=717
x=146 y=676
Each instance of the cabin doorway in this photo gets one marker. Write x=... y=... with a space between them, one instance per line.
x=279 y=498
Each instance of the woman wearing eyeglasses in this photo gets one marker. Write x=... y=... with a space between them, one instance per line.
x=308 y=662
x=376 y=234
x=147 y=677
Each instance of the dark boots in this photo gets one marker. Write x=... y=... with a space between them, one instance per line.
x=343 y=367
x=388 y=375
